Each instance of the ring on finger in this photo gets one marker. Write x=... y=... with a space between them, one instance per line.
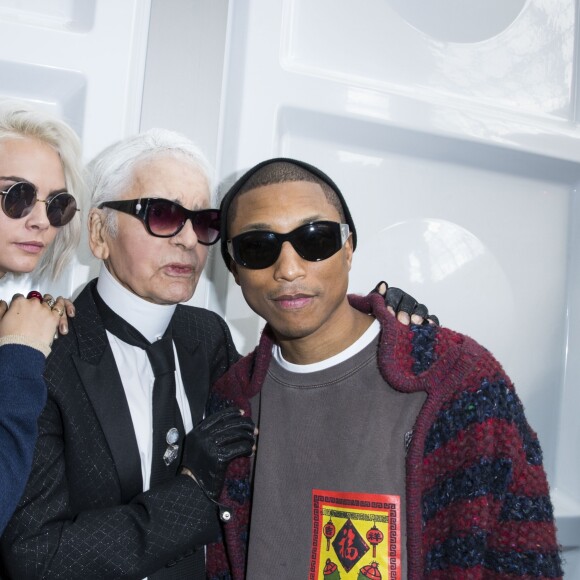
x=50 y=301
x=59 y=310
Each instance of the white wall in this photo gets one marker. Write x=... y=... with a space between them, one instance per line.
x=183 y=80
x=85 y=61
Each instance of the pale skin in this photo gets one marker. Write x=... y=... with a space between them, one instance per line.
x=159 y=270
x=304 y=302
x=23 y=241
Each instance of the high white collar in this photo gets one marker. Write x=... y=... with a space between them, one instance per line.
x=151 y=320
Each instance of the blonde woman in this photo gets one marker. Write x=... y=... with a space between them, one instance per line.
x=40 y=184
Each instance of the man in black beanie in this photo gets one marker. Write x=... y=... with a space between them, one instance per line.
x=383 y=451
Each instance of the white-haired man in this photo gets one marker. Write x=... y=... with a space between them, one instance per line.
x=108 y=496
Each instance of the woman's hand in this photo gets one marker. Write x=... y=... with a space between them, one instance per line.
x=64 y=305
x=31 y=318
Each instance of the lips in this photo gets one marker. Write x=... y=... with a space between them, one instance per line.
x=30 y=247
x=293 y=301
x=179 y=269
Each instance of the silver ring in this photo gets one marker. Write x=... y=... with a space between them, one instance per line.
x=50 y=301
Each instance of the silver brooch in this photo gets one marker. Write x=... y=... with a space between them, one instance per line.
x=172 y=451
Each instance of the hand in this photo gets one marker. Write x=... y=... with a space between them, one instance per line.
x=63 y=305
x=29 y=318
x=404 y=306
x=213 y=443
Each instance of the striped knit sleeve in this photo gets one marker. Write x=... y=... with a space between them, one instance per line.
x=485 y=506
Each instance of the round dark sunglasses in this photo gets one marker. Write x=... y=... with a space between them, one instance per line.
x=164 y=218
x=314 y=242
x=19 y=199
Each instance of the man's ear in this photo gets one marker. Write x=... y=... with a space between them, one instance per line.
x=97 y=235
x=234 y=270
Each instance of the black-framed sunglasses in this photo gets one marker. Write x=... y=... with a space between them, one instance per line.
x=164 y=218
x=314 y=242
x=19 y=199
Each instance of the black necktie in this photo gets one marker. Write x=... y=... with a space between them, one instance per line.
x=168 y=429
x=166 y=419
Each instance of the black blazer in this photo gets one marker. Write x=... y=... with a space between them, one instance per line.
x=83 y=513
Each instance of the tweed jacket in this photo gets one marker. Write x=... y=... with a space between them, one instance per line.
x=83 y=513
x=22 y=397
x=477 y=496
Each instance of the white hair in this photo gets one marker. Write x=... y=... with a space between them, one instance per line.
x=18 y=120
x=112 y=171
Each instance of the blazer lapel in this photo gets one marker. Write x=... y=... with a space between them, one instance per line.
x=100 y=377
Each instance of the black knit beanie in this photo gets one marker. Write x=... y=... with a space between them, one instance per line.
x=238 y=185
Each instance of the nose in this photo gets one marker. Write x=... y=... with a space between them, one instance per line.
x=38 y=218
x=187 y=238
x=289 y=265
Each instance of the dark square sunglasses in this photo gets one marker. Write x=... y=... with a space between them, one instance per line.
x=19 y=199
x=164 y=218
x=314 y=242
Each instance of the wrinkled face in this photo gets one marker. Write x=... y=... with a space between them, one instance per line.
x=159 y=270
x=300 y=299
x=23 y=241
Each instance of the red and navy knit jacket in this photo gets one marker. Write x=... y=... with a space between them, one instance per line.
x=478 y=502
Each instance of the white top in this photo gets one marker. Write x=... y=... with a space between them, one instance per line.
x=367 y=337
x=151 y=320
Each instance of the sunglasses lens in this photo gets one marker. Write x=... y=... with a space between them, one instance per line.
x=256 y=250
x=165 y=218
x=317 y=241
x=19 y=200
x=206 y=225
x=61 y=209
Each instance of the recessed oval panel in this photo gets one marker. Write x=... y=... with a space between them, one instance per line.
x=459 y=20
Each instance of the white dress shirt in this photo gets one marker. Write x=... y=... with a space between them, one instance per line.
x=151 y=320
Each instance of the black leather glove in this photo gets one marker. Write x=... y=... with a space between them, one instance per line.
x=400 y=301
x=213 y=443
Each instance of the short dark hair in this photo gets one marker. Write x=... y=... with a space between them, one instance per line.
x=280 y=170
